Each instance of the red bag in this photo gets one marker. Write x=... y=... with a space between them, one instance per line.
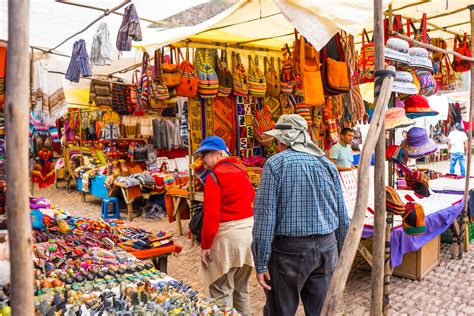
x=189 y=82
x=367 y=60
x=461 y=47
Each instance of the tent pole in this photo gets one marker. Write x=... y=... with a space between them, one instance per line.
x=376 y=302
x=17 y=122
x=90 y=24
x=464 y=216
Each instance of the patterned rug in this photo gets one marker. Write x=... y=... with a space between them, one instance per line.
x=274 y=107
x=246 y=144
x=195 y=123
x=224 y=121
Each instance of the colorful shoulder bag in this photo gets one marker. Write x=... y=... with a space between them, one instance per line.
x=257 y=81
x=189 y=81
x=208 y=83
x=224 y=75
x=272 y=77
x=240 y=81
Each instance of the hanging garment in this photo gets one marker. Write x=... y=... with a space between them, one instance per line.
x=102 y=47
x=43 y=172
x=3 y=68
x=183 y=116
x=173 y=132
x=159 y=139
x=121 y=98
x=146 y=129
x=100 y=93
x=129 y=29
x=79 y=63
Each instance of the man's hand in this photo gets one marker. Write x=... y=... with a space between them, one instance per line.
x=206 y=256
x=261 y=280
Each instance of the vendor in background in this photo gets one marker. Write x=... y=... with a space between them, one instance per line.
x=457 y=148
x=341 y=153
x=226 y=255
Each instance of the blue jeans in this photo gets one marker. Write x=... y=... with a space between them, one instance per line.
x=455 y=157
x=300 y=267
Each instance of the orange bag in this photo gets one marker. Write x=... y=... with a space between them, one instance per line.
x=335 y=73
x=171 y=71
x=308 y=68
x=189 y=82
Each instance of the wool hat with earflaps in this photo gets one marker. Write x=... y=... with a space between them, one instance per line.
x=292 y=130
x=414 y=219
x=418 y=144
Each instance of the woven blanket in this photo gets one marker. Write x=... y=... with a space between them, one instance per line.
x=274 y=107
x=247 y=146
x=200 y=121
x=224 y=121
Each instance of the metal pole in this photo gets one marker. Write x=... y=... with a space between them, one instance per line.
x=464 y=216
x=376 y=302
x=16 y=123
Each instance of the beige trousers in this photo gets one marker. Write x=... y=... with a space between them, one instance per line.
x=232 y=289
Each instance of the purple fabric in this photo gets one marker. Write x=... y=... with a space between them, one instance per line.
x=401 y=243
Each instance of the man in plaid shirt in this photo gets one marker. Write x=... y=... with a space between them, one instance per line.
x=300 y=222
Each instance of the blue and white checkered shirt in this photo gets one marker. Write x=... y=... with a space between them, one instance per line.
x=299 y=195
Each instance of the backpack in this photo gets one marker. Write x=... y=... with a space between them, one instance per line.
x=336 y=77
x=158 y=89
x=287 y=72
x=445 y=78
x=257 y=81
x=171 y=73
x=189 y=82
x=224 y=75
x=239 y=81
x=461 y=47
x=272 y=77
x=208 y=83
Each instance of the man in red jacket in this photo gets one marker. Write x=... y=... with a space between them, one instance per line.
x=227 y=226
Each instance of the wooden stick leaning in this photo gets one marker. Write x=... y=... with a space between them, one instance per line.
x=464 y=217
x=354 y=233
x=90 y=24
x=17 y=122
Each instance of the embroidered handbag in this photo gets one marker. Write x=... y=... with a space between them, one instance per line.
x=144 y=93
x=272 y=77
x=224 y=75
x=462 y=47
x=336 y=76
x=307 y=66
x=445 y=78
x=158 y=88
x=367 y=60
x=287 y=72
x=208 y=83
x=189 y=81
x=240 y=82
x=257 y=81
x=171 y=74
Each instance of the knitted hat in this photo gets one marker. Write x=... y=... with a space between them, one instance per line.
x=395 y=117
x=394 y=203
x=396 y=49
x=403 y=83
x=398 y=155
x=419 y=58
x=418 y=106
x=414 y=219
x=419 y=182
x=418 y=144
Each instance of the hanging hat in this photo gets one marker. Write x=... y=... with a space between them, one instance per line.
x=418 y=144
x=403 y=83
x=292 y=130
x=396 y=49
x=414 y=219
x=398 y=155
x=418 y=106
x=394 y=203
x=419 y=182
x=395 y=117
x=419 y=58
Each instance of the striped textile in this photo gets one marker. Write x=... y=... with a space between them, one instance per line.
x=224 y=121
x=246 y=144
x=79 y=63
x=129 y=29
x=195 y=123
x=304 y=111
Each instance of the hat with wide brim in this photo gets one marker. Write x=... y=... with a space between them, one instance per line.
x=292 y=130
x=396 y=49
x=418 y=144
x=418 y=106
x=403 y=83
x=419 y=58
x=395 y=117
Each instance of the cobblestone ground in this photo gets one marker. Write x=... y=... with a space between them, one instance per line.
x=447 y=290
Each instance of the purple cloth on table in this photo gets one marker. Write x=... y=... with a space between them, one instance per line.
x=436 y=224
x=449 y=192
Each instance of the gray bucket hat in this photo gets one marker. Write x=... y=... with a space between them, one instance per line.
x=292 y=130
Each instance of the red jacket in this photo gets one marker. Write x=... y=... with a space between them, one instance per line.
x=230 y=200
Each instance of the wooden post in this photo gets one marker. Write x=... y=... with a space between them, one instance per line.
x=17 y=124
x=464 y=217
x=376 y=299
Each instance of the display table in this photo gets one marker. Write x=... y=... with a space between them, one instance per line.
x=96 y=187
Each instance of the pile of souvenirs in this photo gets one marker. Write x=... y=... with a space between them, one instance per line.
x=79 y=269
